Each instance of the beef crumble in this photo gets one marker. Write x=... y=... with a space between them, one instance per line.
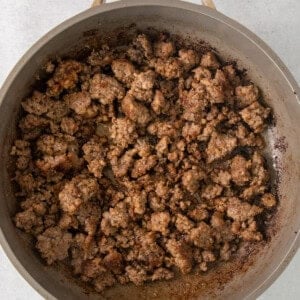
x=136 y=175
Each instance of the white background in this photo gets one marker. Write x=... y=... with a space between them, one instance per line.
x=22 y=22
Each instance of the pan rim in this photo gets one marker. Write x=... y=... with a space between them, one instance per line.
x=219 y=17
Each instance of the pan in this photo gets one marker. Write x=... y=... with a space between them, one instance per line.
x=256 y=268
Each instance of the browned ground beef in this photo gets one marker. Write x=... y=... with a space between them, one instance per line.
x=139 y=163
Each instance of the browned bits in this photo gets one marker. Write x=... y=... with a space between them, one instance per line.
x=142 y=161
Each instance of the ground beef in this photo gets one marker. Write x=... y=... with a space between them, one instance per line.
x=93 y=154
x=199 y=213
x=51 y=145
x=65 y=77
x=183 y=224
x=135 y=111
x=191 y=179
x=142 y=161
x=103 y=281
x=209 y=60
x=162 y=273
x=105 y=89
x=170 y=68
x=246 y=95
x=159 y=222
x=124 y=71
x=37 y=104
x=136 y=274
x=142 y=41
x=189 y=58
x=219 y=146
x=54 y=244
x=29 y=221
x=201 y=236
x=159 y=103
x=240 y=170
x=79 y=102
x=123 y=132
x=182 y=255
x=255 y=116
x=69 y=125
x=164 y=49
x=268 y=200
x=79 y=190
x=142 y=86
x=241 y=211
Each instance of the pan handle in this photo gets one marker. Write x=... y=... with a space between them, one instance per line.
x=98 y=2
x=208 y=3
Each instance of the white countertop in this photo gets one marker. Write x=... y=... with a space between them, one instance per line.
x=22 y=22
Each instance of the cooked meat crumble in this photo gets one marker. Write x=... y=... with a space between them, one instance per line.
x=145 y=171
